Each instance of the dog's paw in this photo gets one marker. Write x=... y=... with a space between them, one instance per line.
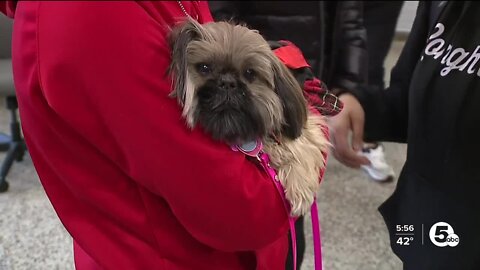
x=300 y=192
x=301 y=205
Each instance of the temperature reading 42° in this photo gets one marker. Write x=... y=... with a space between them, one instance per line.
x=404 y=241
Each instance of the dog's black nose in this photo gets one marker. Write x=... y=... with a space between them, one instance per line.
x=227 y=82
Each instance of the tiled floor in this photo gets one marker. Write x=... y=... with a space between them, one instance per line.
x=354 y=236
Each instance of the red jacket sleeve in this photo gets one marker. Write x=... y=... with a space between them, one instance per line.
x=102 y=69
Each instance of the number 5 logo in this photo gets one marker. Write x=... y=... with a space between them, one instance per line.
x=442 y=235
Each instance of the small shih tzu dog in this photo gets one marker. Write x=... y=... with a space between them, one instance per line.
x=228 y=80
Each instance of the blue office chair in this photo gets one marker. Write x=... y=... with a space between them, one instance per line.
x=13 y=143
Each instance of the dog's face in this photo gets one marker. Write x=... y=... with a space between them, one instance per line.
x=230 y=82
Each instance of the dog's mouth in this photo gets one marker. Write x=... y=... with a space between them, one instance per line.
x=227 y=101
x=229 y=116
x=218 y=100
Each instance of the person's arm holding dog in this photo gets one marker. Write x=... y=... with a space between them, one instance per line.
x=221 y=198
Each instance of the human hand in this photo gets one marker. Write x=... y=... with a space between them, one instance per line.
x=351 y=118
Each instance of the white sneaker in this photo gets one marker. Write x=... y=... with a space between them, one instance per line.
x=378 y=169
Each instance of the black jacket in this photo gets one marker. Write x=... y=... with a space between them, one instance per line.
x=330 y=34
x=433 y=104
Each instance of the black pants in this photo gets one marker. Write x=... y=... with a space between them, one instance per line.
x=300 y=245
x=380 y=18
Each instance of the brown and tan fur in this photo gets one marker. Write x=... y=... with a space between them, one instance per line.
x=271 y=105
x=299 y=162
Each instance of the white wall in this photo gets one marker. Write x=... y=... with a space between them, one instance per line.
x=406 y=16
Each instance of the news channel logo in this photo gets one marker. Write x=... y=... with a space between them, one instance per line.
x=441 y=234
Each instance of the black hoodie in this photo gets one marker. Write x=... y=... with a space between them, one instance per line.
x=433 y=104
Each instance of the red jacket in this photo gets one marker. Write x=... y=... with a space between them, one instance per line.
x=131 y=183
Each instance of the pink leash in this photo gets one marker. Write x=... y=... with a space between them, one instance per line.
x=254 y=149
x=317 y=243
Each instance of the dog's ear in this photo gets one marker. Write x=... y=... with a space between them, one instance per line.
x=180 y=36
x=293 y=101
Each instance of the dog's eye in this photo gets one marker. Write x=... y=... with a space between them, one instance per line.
x=250 y=74
x=204 y=68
